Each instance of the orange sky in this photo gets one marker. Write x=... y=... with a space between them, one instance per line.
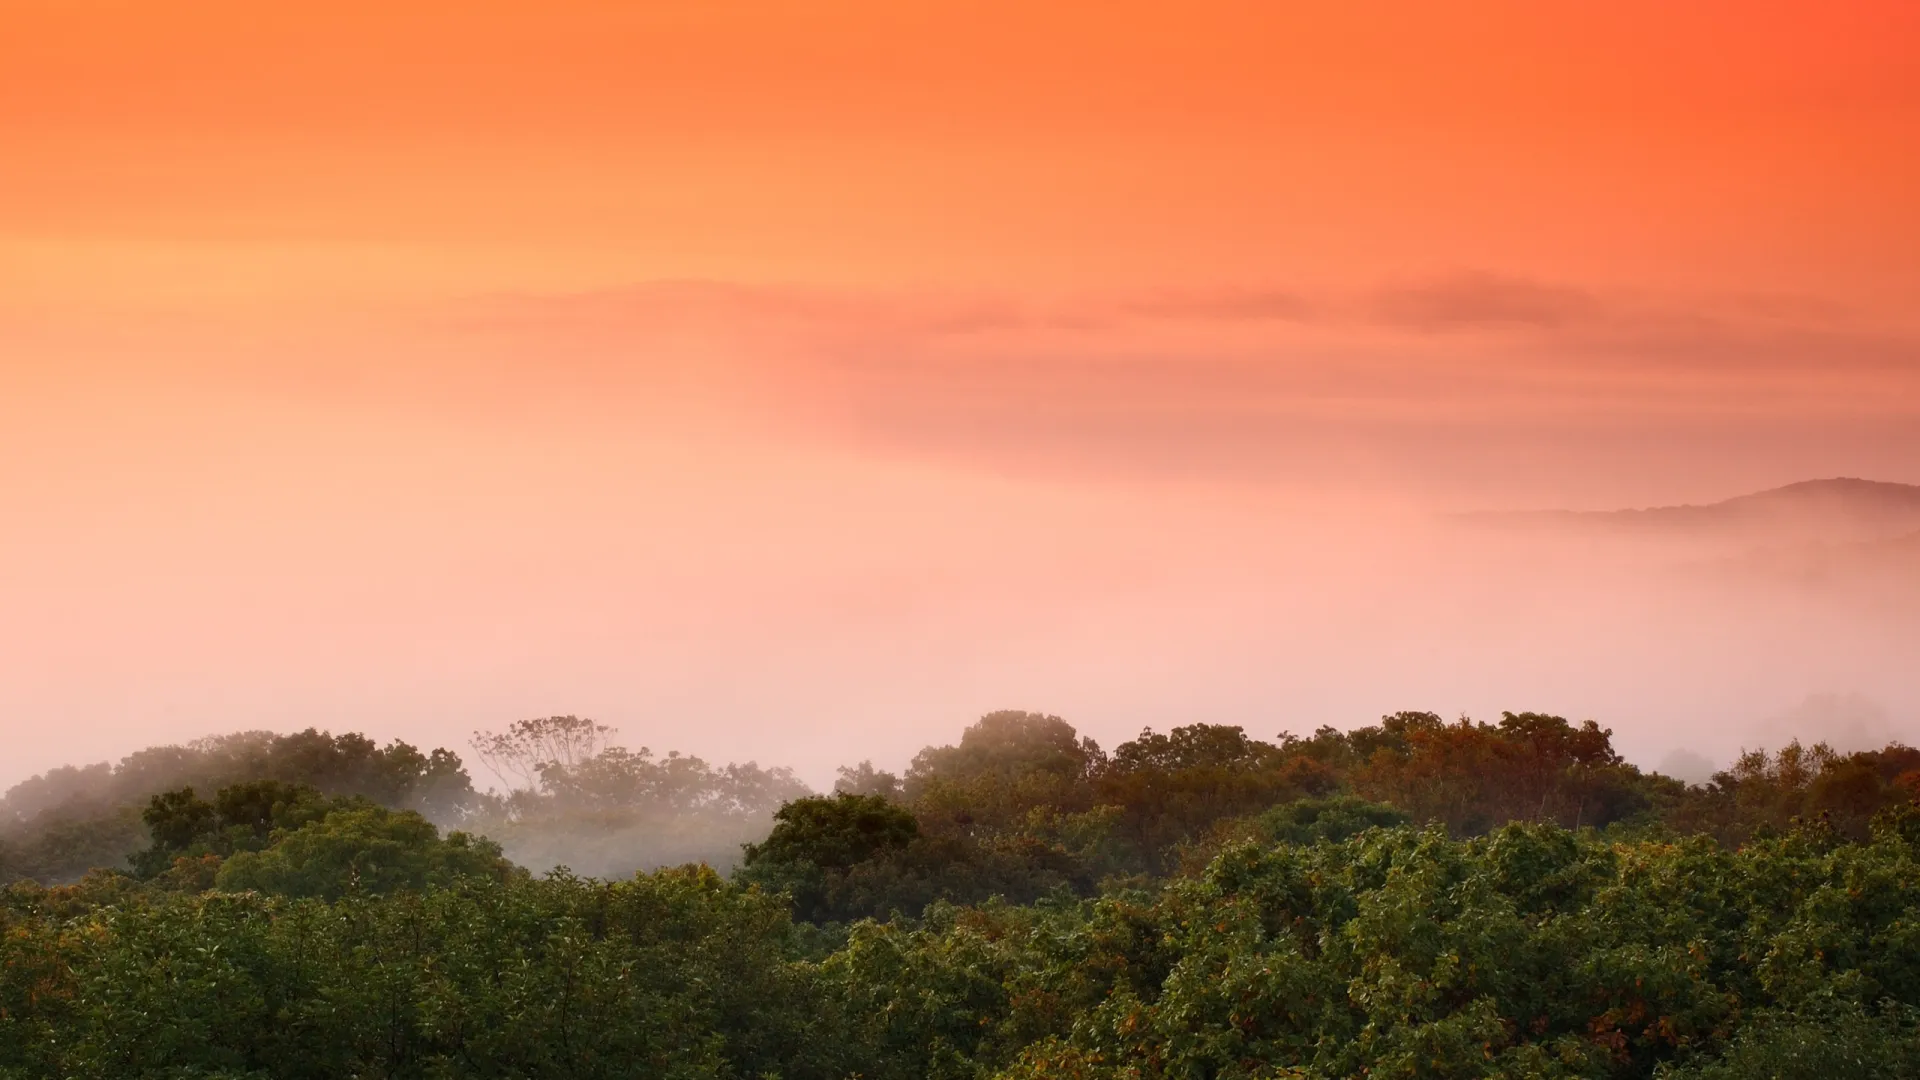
x=295 y=295
x=430 y=146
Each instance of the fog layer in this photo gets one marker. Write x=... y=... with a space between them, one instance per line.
x=806 y=530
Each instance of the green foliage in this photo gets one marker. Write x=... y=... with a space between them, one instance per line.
x=289 y=839
x=397 y=774
x=1008 y=746
x=1843 y=1039
x=362 y=849
x=673 y=975
x=58 y=825
x=1532 y=951
x=1023 y=806
x=1311 y=821
x=1174 y=788
x=1417 y=898
x=1005 y=766
x=243 y=817
x=836 y=832
x=846 y=857
x=178 y=818
x=1527 y=953
x=63 y=849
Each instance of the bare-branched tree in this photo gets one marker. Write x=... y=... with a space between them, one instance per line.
x=528 y=748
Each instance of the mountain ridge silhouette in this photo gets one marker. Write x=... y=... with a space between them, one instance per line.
x=1858 y=508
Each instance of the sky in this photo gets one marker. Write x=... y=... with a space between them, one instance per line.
x=796 y=381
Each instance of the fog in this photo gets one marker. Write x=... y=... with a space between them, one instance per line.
x=807 y=532
x=814 y=610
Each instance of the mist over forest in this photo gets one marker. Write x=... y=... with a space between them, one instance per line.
x=1420 y=894
x=1712 y=632
x=225 y=899
x=1783 y=614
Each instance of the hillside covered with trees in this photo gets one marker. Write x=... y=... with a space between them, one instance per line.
x=1413 y=898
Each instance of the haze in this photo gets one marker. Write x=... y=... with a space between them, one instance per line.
x=798 y=382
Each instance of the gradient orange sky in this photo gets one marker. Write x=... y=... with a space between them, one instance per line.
x=347 y=349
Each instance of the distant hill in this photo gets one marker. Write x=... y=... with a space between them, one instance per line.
x=1841 y=509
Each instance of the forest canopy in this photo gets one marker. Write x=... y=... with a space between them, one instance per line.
x=1412 y=898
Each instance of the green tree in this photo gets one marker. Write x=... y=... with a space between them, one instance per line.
x=364 y=849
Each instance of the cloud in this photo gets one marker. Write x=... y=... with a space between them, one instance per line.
x=1225 y=305
x=1478 y=299
x=654 y=306
x=1450 y=381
